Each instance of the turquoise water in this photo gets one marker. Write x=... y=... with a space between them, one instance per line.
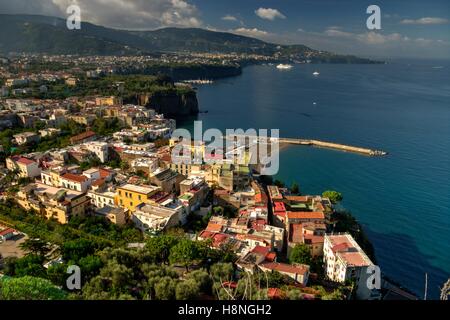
x=403 y=199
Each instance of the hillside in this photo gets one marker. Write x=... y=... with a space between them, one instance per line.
x=41 y=34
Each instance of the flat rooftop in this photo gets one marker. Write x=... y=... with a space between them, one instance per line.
x=139 y=189
x=52 y=191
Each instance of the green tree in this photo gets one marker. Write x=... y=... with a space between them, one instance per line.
x=120 y=277
x=279 y=183
x=74 y=250
x=222 y=271
x=334 y=196
x=37 y=247
x=295 y=294
x=187 y=290
x=184 y=252
x=90 y=266
x=295 y=189
x=275 y=279
x=9 y=266
x=165 y=289
x=29 y=288
x=202 y=279
x=157 y=249
x=300 y=254
x=30 y=265
x=57 y=274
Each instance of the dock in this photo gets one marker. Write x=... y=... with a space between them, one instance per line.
x=323 y=144
x=332 y=145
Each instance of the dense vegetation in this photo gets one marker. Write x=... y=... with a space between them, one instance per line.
x=48 y=34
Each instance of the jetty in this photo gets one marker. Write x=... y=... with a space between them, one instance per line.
x=332 y=145
x=315 y=143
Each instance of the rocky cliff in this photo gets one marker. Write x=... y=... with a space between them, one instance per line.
x=171 y=104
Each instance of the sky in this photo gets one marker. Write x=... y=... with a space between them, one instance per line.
x=409 y=28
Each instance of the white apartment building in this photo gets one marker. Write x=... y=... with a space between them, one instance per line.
x=157 y=217
x=76 y=182
x=26 y=168
x=345 y=260
x=101 y=199
x=99 y=148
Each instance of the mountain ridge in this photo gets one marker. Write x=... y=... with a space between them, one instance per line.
x=45 y=34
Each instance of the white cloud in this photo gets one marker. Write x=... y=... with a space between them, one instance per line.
x=251 y=32
x=269 y=14
x=229 y=18
x=371 y=38
x=127 y=14
x=426 y=20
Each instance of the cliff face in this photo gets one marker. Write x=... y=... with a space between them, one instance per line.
x=172 y=105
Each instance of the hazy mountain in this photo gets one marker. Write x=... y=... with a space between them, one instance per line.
x=42 y=34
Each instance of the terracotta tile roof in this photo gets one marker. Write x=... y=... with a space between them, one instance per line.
x=7 y=231
x=305 y=215
x=82 y=136
x=271 y=256
x=98 y=182
x=214 y=227
x=275 y=293
x=75 y=177
x=278 y=206
x=219 y=238
x=354 y=258
x=25 y=161
x=206 y=234
x=261 y=250
x=298 y=198
x=313 y=239
x=295 y=233
x=286 y=268
x=104 y=173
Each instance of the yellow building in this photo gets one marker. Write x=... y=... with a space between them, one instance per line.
x=108 y=101
x=52 y=202
x=129 y=196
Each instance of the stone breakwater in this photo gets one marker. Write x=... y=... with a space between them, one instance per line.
x=331 y=145
x=310 y=142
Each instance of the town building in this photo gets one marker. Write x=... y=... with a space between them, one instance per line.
x=52 y=202
x=26 y=138
x=157 y=217
x=26 y=168
x=112 y=214
x=129 y=196
x=83 y=137
x=345 y=260
x=76 y=182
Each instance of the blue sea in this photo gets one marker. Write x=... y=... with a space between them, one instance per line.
x=403 y=199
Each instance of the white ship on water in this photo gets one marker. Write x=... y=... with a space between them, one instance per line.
x=315 y=73
x=284 y=66
x=199 y=81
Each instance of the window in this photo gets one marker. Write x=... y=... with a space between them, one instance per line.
x=131 y=203
x=139 y=197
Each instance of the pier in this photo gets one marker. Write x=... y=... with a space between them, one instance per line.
x=317 y=143
x=331 y=145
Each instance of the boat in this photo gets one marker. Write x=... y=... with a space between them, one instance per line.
x=284 y=66
x=199 y=81
x=315 y=73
